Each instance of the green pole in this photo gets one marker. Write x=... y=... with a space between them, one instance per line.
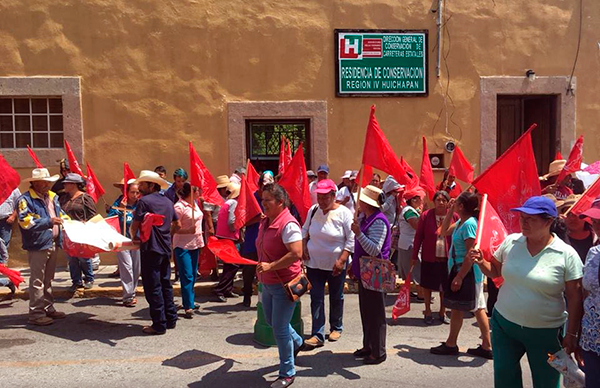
x=263 y=333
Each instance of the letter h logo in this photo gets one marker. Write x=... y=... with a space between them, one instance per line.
x=351 y=47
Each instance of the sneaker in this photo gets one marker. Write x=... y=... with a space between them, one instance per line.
x=313 y=343
x=56 y=314
x=334 y=335
x=481 y=352
x=445 y=350
x=221 y=299
x=282 y=382
x=43 y=321
x=88 y=285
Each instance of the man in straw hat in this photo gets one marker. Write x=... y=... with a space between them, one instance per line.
x=226 y=230
x=561 y=190
x=40 y=217
x=156 y=251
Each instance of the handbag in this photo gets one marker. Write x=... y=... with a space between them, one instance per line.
x=296 y=287
x=463 y=299
x=377 y=274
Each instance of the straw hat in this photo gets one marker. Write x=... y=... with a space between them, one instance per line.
x=370 y=195
x=554 y=169
x=120 y=184
x=41 y=174
x=222 y=181
x=569 y=201
x=151 y=176
x=234 y=190
x=557 y=202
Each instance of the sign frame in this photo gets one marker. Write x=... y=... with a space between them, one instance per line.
x=337 y=61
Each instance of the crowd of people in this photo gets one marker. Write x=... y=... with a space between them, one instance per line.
x=549 y=298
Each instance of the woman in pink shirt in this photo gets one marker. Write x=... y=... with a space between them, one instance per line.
x=187 y=243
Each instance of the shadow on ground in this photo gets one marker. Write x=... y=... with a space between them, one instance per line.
x=424 y=357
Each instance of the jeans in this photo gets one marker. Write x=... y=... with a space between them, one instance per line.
x=129 y=271
x=511 y=341
x=187 y=262
x=77 y=265
x=278 y=314
x=5 y=235
x=156 y=279
x=318 y=278
x=592 y=369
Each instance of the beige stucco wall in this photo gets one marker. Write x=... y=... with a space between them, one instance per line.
x=157 y=74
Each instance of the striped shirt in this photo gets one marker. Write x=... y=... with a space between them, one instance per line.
x=373 y=239
x=9 y=205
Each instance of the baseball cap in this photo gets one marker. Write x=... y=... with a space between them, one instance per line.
x=311 y=173
x=538 y=205
x=323 y=168
x=326 y=186
x=593 y=212
x=347 y=174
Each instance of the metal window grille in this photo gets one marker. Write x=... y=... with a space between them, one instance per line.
x=264 y=137
x=36 y=121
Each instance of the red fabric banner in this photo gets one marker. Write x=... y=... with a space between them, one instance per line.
x=295 y=182
x=73 y=164
x=402 y=305
x=511 y=180
x=247 y=207
x=225 y=250
x=411 y=175
x=558 y=156
x=460 y=166
x=9 y=179
x=37 y=162
x=206 y=262
x=150 y=220
x=574 y=162
x=127 y=175
x=201 y=177
x=585 y=202
x=12 y=274
x=94 y=188
x=490 y=233
x=427 y=180
x=367 y=175
x=285 y=155
x=379 y=154
x=252 y=176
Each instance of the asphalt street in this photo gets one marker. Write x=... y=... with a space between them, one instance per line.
x=100 y=344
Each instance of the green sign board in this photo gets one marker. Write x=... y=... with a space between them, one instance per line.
x=381 y=63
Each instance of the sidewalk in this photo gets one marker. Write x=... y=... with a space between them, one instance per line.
x=106 y=286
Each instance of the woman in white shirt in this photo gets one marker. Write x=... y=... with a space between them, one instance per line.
x=347 y=194
x=408 y=223
x=329 y=241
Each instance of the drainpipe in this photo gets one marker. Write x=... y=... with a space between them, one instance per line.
x=440 y=10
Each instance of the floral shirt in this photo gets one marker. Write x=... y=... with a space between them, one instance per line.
x=590 y=324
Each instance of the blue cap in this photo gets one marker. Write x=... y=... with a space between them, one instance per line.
x=323 y=168
x=538 y=205
x=269 y=172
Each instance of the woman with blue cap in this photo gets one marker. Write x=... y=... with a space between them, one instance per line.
x=539 y=271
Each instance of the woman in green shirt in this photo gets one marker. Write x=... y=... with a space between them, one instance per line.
x=539 y=270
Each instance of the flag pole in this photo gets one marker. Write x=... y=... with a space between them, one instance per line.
x=582 y=195
x=480 y=223
x=360 y=180
x=193 y=206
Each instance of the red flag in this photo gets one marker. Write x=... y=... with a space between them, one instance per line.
x=411 y=175
x=35 y=158
x=114 y=223
x=73 y=164
x=427 y=180
x=201 y=177
x=585 y=201
x=206 y=262
x=13 y=275
x=94 y=188
x=460 y=166
x=367 y=175
x=490 y=232
x=150 y=220
x=247 y=207
x=127 y=175
x=295 y=182
x=558 y=156
x=379 y=154
x=511 y=180
x=285 y=155
x=574 y=162
x=9 y=179
x=402 y=305
x=225 y=250
x=252 y=177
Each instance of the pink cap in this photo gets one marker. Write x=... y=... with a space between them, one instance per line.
x=325 y=186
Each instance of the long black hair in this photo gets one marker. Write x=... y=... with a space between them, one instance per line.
x=470 y=203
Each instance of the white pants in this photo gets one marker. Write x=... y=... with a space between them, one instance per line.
x=129 y=271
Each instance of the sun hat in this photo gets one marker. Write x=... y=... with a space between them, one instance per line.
x=370 y=195
x=311 y=174
x=568 y=202
x=557 y=202
x=347 y=174
x=41 y=174
x=73 y=178
x=538 y=205
x=326 y=186
x=234 y=190
x=222 y=181
x=323 y=168
x=151 y=176
x=554 y=169
x=593 y=212
x=120 y=184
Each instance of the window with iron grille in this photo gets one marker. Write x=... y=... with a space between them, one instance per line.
x=36 y=121
x=264 y=140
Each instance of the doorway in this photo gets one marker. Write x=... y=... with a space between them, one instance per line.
x=516 y=113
